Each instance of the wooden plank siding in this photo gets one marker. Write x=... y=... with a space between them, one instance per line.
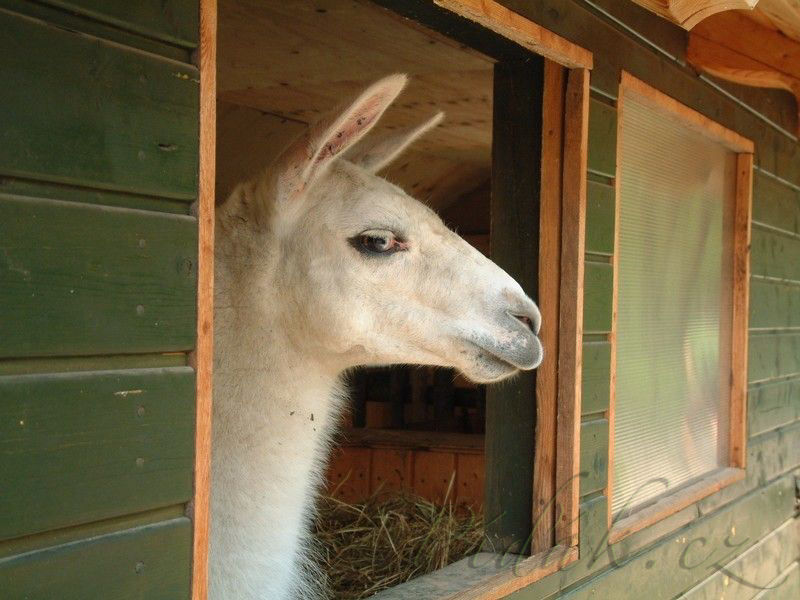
x=598 y=282
x=594 y=455
x=98 y=309
x=741 y=524
x=596 y=377
x=755 y=569
x=773 y=405
x=785 y=585
x=171 y=21
x=82 y=447
x=598 y=288
x=124 y=120
x=151 y=561
x=631 y=564
x=599 y=217
x=90 y=280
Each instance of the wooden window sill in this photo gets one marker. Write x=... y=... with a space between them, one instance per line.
x=674 y=502
x=483 y=576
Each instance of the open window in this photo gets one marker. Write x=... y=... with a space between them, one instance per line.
x=507 y=169
x=680 y=319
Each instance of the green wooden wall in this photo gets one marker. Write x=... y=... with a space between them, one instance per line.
x=746 y=537
x=98 y=275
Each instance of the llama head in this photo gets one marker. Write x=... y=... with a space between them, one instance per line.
x=367 y=275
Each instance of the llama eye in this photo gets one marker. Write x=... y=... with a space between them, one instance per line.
x=376 y=242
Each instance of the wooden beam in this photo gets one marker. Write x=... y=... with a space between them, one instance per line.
x=544 y=480
x=784 y=15
x=203 y=355
x=688 y=13
x=735 y=48
x=570 y=346
x=526 y=33
x=741 y=311
x=514 y=239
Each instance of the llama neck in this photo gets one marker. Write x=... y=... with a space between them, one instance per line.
x=275 y=409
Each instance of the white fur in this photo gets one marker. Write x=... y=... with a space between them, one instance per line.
x=297 y=305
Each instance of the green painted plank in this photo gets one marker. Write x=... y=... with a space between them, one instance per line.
x=10 y=186
x=602 y=138
x=753 y=570
x=88 y=280
x=773 y=460
x=82 y=111
x=152 y=562
x=769 y=456
x=773 y=405
x=785 y=586
x=773 y=355
x=65 y=535
x=673 y=565
x=80 y=447
x=774 y=304
x=599 y=218
x=774 y=254
x=73 y=21
x=594 y=455
x=597 y=554
x=775 y=203
x=60 y=364
x=597 y=297
x=596 y=377
x=173 y=21
x=682 y=560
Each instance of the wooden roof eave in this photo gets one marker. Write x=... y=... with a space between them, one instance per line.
x=688 y=13
x=735 y=48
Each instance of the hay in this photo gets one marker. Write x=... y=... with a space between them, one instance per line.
x=389 y=539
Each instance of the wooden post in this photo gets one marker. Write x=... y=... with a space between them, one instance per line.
x=511 y=407
x=203 y=356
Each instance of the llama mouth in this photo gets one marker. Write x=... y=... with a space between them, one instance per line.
x=493 y=361
x=519 y=350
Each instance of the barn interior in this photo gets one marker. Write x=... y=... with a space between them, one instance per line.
x=282 y=66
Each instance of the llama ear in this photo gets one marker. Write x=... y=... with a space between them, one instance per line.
x=326 y=141
x=374 y=155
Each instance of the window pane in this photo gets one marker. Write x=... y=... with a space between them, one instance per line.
x=674 y=295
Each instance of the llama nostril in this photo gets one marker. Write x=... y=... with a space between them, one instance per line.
x=526 y=321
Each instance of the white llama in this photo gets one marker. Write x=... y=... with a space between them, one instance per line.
x=323 y=266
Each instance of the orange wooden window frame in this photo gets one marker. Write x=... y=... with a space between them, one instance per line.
x=203 y=356
x=740 y=281
x=559 y=386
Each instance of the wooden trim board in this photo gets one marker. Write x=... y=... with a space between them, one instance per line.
x=734 y=471
x=570 y=348
x=562 y=240
x=689 y=117
x=520 y=575
x=526 y=33
x=741 y=310
x=544 y=481
x=203 y=356
x=673 y=503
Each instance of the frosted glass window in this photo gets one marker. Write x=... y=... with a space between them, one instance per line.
x=671 y=418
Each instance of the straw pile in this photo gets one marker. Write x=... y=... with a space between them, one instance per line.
x=389 y=539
